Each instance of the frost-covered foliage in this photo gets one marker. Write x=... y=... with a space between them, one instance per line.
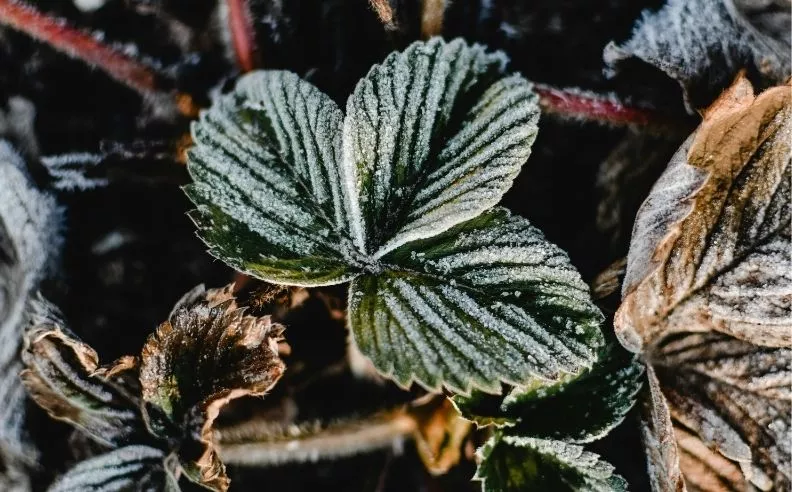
x=703 y=44
x=396 y=196
x=29 y=242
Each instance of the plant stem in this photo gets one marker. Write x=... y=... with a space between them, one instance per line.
x=243 y=35
x=56 y=33
x=588 y=106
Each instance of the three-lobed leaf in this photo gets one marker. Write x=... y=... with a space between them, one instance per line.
x=432 y=138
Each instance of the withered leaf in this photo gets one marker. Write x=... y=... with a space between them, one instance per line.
x=439 y=434
x=126 y=469
x=64 y=378
x=702 y=44
x=207 y=353
x=719 y=410
x=710 y=246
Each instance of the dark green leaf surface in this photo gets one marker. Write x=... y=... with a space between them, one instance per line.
x=514 y=464
x=576 y=409
x=488 y=301
x=267 y=181
x=433 y=136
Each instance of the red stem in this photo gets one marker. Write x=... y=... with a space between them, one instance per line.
x=588 y=106
x=56 y=33
x=240 y=23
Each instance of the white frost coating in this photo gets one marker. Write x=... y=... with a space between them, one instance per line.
x=433 y=325
x=30 y=224
x=702 y=44
x=115 y=471
x=69 y=171
x=577 y=468
x=412 y=169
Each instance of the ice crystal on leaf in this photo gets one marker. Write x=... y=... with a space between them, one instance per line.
x=396 y=196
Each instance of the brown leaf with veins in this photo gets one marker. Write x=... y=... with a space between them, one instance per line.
x=719 y=409
x=207 y=354
x=707 y=298
x=710 y=246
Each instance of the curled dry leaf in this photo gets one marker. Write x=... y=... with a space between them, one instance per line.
x=719 y=410
x=710 y=246
x=702 y=44
x=63 y=377
x=207 y=353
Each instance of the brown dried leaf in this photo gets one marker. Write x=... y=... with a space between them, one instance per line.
x=439 y=434
x=710 y=246
x=729 y=402
x=63 y=377
x=207 y=354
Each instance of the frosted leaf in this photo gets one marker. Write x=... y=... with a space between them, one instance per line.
x=703 y=44
x=63 y=377
x=131 y=468
x=445 y=313
x=73 y=171
x=207 y=354
x=577 y=409
x=266 y=181
x=512 y=464
x=710 y=246
x=29 y=242
x=433 y=136
x=731 y=406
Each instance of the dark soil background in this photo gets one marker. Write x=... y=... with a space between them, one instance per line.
x=114 y=296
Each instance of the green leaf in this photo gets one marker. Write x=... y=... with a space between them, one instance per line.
x=433 y=136
x=207 y=354
x=63 y=377
x=489 y=300
x=515 y=464
x=576 y=409
x=131 y=468
x=267 y=183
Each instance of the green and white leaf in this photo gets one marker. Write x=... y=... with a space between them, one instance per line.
x=489 y=300
x=576 y=409
x=515 y=464
x=266 y=180
x=433 y=136
x=131 y=468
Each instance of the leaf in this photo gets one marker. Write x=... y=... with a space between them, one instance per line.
x=207 y=354
x=63 y=377
x=577 y=409
x=730 y=404
x=511 y=464
x=130 y=468
x=433 y=136
x=657 y=432
x=267 y=181
x=30 y=224
x=710 y=247
x=489 y=300
x=439 y=434
x=702 y=44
